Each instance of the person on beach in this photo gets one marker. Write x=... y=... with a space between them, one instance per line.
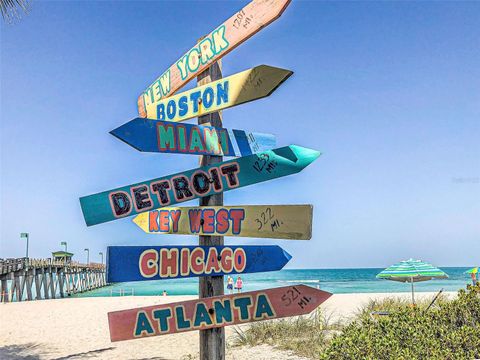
x=164 y=293
x=239 y=284
x=230 y=284
x=474 y=278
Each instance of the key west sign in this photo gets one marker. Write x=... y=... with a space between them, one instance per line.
x=265 y=221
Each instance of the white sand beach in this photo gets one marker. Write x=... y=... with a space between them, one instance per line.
x=77 y=328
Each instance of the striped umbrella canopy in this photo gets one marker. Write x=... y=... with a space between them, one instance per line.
x=412 y=271
x=472 y=271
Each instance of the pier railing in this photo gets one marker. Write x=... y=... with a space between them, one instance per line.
x=36 y=279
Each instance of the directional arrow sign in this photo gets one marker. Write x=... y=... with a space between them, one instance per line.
x=136 y=263
x=237 y=89
x=191 y=184
x=226 y=37
x=169 y=137
x=214 y=312
x=265 y=221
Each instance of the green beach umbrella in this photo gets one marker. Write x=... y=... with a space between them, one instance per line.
x=472 y=271
x=412 y=271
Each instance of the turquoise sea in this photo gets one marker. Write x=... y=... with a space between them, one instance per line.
x=337 y=281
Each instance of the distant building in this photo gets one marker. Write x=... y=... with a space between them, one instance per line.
x=62 y=256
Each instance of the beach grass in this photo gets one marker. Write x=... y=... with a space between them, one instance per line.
x=304 y=335
x=450 y=329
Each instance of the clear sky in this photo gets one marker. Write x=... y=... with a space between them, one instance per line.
x=388 y=91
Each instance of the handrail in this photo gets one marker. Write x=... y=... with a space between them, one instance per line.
x=15 y=264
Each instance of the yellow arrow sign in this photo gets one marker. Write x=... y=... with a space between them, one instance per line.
x=242 y=25
x=292 y=222
x=237 y=89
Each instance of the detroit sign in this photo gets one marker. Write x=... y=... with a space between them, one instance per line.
x=191 y=184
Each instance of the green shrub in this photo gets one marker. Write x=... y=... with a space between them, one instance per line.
x=449 y=331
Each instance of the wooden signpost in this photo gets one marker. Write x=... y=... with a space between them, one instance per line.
x=249 y=85
x=169 y=137
x=256 y=221
x=226 y=37
x=188 y=185
x=140 y=263
x=257 y=162
x=214 y=312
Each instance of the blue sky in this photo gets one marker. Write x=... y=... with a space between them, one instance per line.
x=388 y=91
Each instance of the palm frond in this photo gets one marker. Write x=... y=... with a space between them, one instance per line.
x=13 y=9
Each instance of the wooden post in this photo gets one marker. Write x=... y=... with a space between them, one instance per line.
x=4 y=289
x=46 y=284
x=29 y=277
x=212 y=341
x=38 y=289
x=60 y=277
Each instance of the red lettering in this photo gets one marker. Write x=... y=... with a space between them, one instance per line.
x=226 y=261
x=208 y=221
x=169 y=262
x=195 y=216
x=164 y=221
x=148 y=263
x=197 y=258
x=175 y=215
x=239 y=259
x=212 y=261
x=237 y=215
x=222 y=221
x=152 y=220
x=184 y=262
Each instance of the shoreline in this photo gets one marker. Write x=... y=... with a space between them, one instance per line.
x=78 y=327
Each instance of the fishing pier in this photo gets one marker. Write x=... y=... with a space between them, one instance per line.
x=24 y=279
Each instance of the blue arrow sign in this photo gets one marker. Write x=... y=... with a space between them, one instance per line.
x=137 y=263
x=191 y=184
x=182 y=138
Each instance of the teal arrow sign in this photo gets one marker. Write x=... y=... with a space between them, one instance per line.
x=191 y=184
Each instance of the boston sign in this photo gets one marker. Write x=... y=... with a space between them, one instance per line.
x=233 y=90
x=135 y=263
x=266 y=221
x=204 y=181
x=169 y=137
x=214 y=312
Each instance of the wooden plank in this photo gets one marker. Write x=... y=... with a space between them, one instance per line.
x=226 y=37
x=211 y=341
x=249 y=85
x=188 y=185
x=140 y=263
x=173 y=138
x=214 y=312
x=292 y=222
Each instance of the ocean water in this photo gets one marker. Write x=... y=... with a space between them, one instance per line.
x=336 y=281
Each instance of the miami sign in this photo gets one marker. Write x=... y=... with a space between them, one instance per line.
x=173 y=138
